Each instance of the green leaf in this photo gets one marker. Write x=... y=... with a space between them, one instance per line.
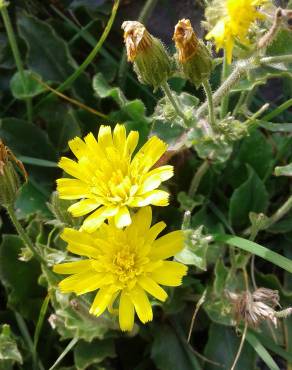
x=24 y=86
x=256 y=151
x=251 y=196
x=168 y=349
x=221 y=274
x=47 y=54
x=222 y=347
x=282 y=45
x=87 y=354
x=270 y=344
x=8 y=346
x=104 y=90
x=256 y=249
x=20 y=278
x=261 y=351
x=26 y=139
x=195 y=249
x=30 y=200
x=284 y=170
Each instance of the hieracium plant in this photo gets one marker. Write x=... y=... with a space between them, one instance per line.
x=154 y=213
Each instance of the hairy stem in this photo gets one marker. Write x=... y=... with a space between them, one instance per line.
x=225 y=100
x=208 y=92
x=167 y=91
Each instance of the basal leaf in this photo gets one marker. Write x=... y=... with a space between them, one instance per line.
x=251 y=196
x=25 y=86
x=47 y=54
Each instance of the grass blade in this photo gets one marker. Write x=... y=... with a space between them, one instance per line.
x=40 y=322
x=37 y=161
x=255 y=248
x=261 y=351
x=64 y=353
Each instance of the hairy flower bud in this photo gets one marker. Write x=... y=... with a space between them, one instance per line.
x=193 y=56
x=9 y=180
x=151 y=61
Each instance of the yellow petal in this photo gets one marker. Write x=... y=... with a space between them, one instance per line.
x=122 y=218
x=101 y=300
x=105 y=138
x=152 y=288
x=72 y=267
x=154 y=197
x=92 y=222
x=83 y=207
x=71 y=167
x=93 y=146
x=132 y=141
x=169 y=273
x=78 y=147
x=126 y=312
x=142 y=220
x=119 y=137
x=79 y=283
x=167 y=246
x=154 y=231
x=154 y=178
x=72 y=189
x=141 y=303
x=149 y=154
x=80 y=243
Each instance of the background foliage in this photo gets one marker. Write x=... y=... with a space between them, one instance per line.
x=55 y=38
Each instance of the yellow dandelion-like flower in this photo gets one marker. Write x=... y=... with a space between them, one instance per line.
x=108 y=180
x=240 y=14
x=125 y=265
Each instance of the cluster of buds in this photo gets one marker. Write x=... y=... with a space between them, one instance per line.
x=9 y=180
x=153 y=64
x=254 y=308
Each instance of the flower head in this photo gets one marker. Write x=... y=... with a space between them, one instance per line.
x=124 y=265
x=235 y=24
x=109 y=179
x=193 y=56
x=151 y=61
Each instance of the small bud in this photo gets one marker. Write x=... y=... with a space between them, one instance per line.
x=151 y=61
x=193 y=56
x=9 y=180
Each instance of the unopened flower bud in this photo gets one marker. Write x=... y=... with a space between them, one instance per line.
x=193 y=56
x=9 y=180
x=151 y=61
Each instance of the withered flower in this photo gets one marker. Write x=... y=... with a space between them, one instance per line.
x=193 y=56
x=151 y=61
x=254 y=308
x=9 y=181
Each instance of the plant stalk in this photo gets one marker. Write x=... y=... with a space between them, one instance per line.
x=225 y=100
x=167 y=91
x=16 y=55
x=209 y=96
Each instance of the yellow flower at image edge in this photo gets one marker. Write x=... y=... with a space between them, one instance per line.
x=108 y=180
x=125 y=265
x=240 y=14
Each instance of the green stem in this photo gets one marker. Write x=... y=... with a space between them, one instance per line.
x=277 y=59
x=23 y=235
x=16 y=55
x=167 y=91
x=225 y=100
x=239 y=103
x=143 y=17
x=67 y=83
x=208 y=92
x=64 y=353
x=281 y=212
x=278 y=110
x=197 y=178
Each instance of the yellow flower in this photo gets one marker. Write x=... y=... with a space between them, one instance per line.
x=108 y=180
x=125 y=265
x=239 y=16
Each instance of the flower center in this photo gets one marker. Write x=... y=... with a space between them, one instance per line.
x=125 y=266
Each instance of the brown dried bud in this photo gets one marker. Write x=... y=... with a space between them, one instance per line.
x=9 y=180
x=253 y=308
x=151 y=61
x=193 y=56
